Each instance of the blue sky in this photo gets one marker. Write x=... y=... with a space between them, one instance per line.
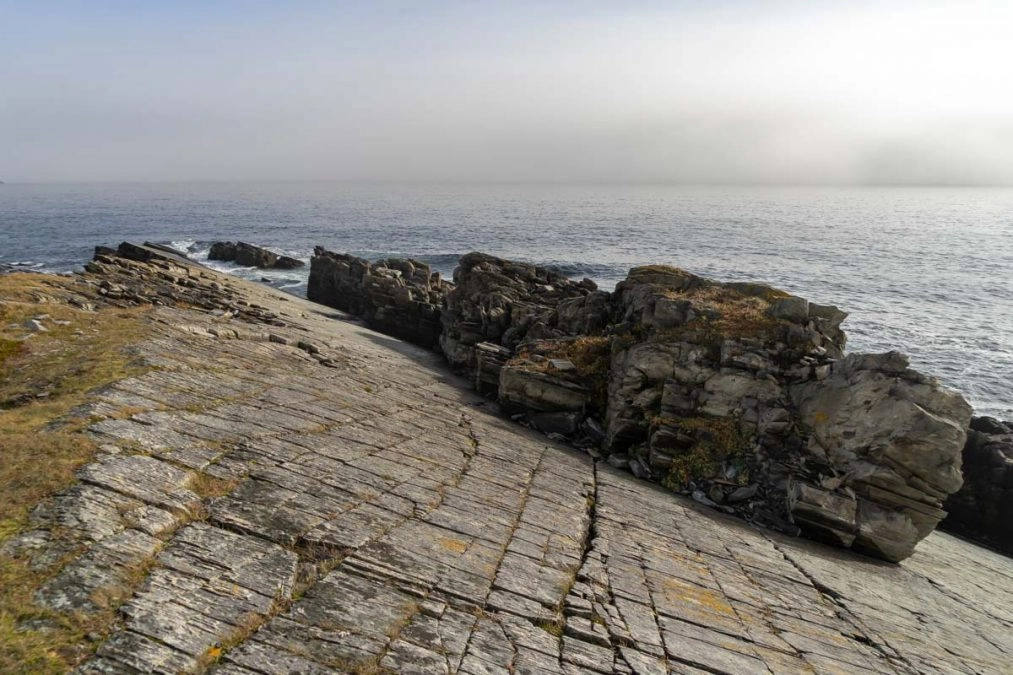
x=902 y=92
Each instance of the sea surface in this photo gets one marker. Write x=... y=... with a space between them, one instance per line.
x=928 y=271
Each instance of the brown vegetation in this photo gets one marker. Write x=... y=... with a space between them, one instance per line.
x=729 y=313
x=718 y=442
x=590 y=356
x=42 y=379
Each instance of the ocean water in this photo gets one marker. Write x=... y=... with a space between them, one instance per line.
x=928 y=271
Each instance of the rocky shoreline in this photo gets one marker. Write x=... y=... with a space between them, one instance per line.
x=277 y=491
x=739 y=395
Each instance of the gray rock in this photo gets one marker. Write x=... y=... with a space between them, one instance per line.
x=898 y=441
x=524 y=389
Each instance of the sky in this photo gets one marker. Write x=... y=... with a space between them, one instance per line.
x=760 y=92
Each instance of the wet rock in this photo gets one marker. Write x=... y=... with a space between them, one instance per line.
x=249 y=255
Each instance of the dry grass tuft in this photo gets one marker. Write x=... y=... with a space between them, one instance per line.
x=42 y=379
x=729 y=312
x=207 y=486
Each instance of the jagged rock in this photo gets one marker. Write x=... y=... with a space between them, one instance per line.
x=983 y=507
x=506 y=303
x=249 y=255
x=737 y=391
x=703 y=387
x=402 y=298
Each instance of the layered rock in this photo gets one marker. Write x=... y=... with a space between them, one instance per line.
x=249 y=255
x=133 y=274
x=888 y=440
x=983 y=508
x=398 y=297
x=507 y=303
x=738 y=394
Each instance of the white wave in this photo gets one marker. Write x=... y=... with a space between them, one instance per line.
x=184 y=246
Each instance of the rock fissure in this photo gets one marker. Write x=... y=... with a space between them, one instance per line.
x=860 y=632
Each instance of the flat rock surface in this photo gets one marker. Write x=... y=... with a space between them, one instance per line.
x=369 y=513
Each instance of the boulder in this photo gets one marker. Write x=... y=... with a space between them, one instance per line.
x=895 y=437
x=249 y=255
x=718 y=387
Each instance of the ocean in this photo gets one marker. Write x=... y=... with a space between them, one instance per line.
x=928 y=271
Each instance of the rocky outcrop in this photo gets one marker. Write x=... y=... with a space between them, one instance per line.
x=740 y=395
x=506 y=303
x=983 y=508
x=398 y=297
x=249 y=255
x=737 y=394
x=250 y=511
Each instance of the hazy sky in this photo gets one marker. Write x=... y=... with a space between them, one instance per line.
x=720 y=91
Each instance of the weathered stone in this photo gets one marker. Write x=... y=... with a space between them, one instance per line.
x=889 y=434
x=524 y=389
x=504 y=302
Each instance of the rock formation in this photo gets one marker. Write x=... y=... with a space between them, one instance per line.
x=252 y=510
x=249 y=255
x=398 y=297
x=738 y=394
x=506 y=303
x=983 y=508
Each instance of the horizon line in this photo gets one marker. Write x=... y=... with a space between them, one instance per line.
x=573 y=182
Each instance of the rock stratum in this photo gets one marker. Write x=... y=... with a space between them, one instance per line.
x=738 y=394
x=249 y=255
x=374 y=514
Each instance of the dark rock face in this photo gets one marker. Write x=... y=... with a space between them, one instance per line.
x=506 y=303
x=249 y=255
x=397 y=297
x=983 y=508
